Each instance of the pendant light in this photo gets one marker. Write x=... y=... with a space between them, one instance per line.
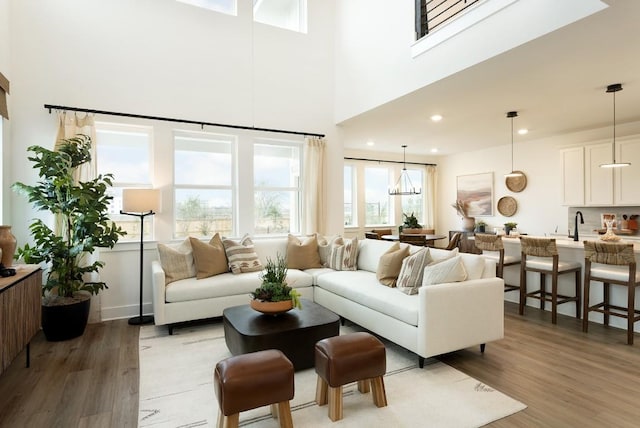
x=513 y=173
x=404 y=186
x=615 y=87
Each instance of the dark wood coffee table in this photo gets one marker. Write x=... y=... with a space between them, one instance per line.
x=294 y=333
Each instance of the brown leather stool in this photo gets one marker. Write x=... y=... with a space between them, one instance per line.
x=343 y=359
x=248 y=381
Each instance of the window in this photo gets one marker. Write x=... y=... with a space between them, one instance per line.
x=414 y=203
x=350 y=214
x=224 y=6
x=204 y=184
x=277 y=187
x=287 y=14
x=377 y=183
x=125 y=152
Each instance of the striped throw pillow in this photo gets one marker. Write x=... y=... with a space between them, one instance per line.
x=410 y=276
x=344 y=256
x=241 y=255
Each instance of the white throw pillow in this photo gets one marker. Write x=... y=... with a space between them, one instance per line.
x=410 y=277
x=474 y=264
x=325 y=243
x=241 y=255
x=449 y=270
x=345 y=256
x=177 y=262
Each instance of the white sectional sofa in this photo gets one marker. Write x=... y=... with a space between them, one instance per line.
x=438 y=319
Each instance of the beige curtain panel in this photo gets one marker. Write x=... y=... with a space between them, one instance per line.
x=4 y=90
x=313 y=183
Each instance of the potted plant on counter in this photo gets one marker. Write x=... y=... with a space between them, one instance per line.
x=481 y=225
x=81 y=214
x=509 y=226
x=274 y=296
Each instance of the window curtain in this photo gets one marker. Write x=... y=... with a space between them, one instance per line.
x=430 y=186
x=4 y=90
x=313 y=186
x=69 y=125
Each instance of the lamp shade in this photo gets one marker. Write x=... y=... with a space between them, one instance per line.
x=141 y=200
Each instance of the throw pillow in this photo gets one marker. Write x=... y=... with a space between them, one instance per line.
x=210 y=259
x=390 y=264
x=410 y=276
x=241 y=255
x=177 y=262
x=303 y=255
x=344 y=256
x=449 y=270
x=325 y=243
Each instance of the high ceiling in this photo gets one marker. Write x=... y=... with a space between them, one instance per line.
x=556 y=83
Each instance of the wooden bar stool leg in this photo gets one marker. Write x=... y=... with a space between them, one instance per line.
x=379 y=393
x=284 y=414
x=321 y=391
x=631 y=313
x=230 y=421
x=363 y=386
x=523 y=285
x=578 y=292
x=605 y=291
x=543 y=291
x=335 y=403
x=554 y=297
x=587 y=292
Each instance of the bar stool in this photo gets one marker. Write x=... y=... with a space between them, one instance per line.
x=495 y=247
x=610 y=257
x=541 y=249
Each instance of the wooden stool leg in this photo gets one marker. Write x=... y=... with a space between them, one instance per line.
x=274 y=411
x=363 y=386
x=578 y=293
x=379 y=393
x=605 y=292
x=543 y=291
x=585 y=306
x=335 y=403
x=554 y=298
x=631 y=313
x=220 y=423
x=284 y=411
x=321 y=391
x=523 y=286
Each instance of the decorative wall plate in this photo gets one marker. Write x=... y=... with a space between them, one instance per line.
x=516 y=184
x=507 y=206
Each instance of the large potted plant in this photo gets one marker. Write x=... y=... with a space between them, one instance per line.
x=80 y=211
x=274 y=296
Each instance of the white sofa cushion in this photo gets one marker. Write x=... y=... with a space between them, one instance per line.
x=449 y=270
x=227 y=284
x=362 y=287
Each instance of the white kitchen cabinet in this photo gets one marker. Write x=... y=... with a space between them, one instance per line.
x=598 y=182
x=572 y=164
x=627 y=179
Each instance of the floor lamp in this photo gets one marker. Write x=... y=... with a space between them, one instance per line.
x=141 y=203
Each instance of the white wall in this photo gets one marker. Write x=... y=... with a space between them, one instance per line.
x=4 y=124
x=163 y=58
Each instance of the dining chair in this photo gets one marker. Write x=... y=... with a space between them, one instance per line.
x=453 y=242
x=371 y=235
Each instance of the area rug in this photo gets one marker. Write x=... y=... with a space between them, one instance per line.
x=176 y=388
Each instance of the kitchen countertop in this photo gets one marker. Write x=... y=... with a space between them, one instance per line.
x=565 y=242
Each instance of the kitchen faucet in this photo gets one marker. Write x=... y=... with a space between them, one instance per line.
x=575 y=230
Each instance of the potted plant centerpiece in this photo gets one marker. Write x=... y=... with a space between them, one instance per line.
x=411 y=224
x=462 y=208
x=274 y=296
x=80 y=210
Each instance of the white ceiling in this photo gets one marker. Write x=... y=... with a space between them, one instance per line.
x=556 y=83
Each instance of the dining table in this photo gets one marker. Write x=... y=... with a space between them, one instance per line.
x=427 y=236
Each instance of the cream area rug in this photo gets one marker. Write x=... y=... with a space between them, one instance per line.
x=176 y=388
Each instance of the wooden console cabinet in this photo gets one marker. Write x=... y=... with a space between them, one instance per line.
x=20 y=312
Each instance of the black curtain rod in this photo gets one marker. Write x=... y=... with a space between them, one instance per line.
x=390 y=161
x=169 y=119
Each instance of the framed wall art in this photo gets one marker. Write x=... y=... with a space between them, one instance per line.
x=477 y=191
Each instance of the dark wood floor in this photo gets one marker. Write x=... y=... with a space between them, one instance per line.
x=566 y=378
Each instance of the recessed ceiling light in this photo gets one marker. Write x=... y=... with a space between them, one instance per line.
x=436 y=118
x=523 y=131
x=434 y=150
x=370 y=143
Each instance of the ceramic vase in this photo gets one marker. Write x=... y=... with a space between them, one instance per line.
x=468 y=224
x=8 y=245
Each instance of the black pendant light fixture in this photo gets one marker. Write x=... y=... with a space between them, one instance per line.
x=513 y=173
x=613 y=88
x=404 y=186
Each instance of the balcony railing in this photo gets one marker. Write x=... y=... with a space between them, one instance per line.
x=430 y=14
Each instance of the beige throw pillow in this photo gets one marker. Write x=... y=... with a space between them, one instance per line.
x=177 y=262
x=241 y=255
x=303 y=255
x=325 y=243
x=344 y=256
x=390 y=264
x=210 y=259
x=410 y=276
x=448 y=270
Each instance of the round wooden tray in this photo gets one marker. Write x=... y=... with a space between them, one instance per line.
x=516 y=184
x=507 y=206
